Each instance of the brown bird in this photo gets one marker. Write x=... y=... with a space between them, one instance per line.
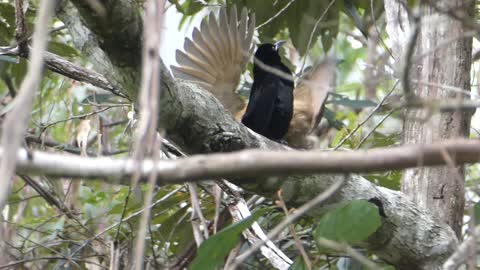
x=217 y=55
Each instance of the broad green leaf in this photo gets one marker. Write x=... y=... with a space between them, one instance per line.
x=351 y=223
x=212 y=252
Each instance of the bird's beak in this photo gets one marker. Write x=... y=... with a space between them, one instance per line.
x=279 y=44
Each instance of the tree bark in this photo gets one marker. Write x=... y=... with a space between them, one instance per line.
x=442 y=57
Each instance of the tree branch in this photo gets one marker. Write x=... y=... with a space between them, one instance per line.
x=252 y=163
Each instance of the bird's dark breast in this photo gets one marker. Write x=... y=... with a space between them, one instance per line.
x=282 y=114
x=270 y=107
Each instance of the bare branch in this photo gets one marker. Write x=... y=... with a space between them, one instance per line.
x=61 y=66
x=146 y=141
x=252 y=163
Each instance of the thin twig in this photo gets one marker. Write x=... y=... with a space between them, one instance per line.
x=350 y=251
x=144 y=220
x=63 y=67
x=197 y=210
x=146 y=136
x=288 y=220
x=379 y=105
x=275 y=16
x=294 y=234
x=312 y=34
x=374 y=128
x=135 y=214
x=81 y=116
x=407 y=66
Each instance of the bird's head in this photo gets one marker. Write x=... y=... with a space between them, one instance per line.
x=268 y=53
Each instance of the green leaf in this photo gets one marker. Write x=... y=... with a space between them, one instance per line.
x=477 y=213
x=10 y=59
x=212 y=252
x=390 y=179
x=6 y=33
x=354 y=104
x=7 y=12
x=189 y=7
x=351 y=223
x=62 y=49
x=18 y=71
x=332 y=118
x=352 y=12
x=298 y=264
x=380 y=140
x=98 y=98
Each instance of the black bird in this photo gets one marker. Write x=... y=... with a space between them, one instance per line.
x=270 y=107
x=215 y=58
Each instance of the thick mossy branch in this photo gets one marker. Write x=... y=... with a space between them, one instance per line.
x=118 y=24
x=114 y=49
x=410 y=238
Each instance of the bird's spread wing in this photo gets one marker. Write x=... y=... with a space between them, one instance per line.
x=217 y=54
x=309 y=101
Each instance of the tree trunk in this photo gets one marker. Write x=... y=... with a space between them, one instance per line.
x=442 y=58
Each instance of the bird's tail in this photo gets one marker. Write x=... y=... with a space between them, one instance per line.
x=310 y=97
